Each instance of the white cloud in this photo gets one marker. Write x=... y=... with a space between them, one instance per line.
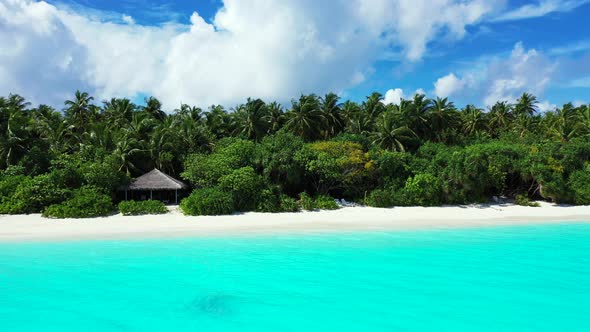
x=393 y=96
x=501 y=78
x=128 y=19
x=304 y=46
x=546 y=106
x=448 y=85
x=524 y=71
x=541 y=8
x=40 y=57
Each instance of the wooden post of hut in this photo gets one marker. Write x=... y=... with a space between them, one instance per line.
x=157 y=181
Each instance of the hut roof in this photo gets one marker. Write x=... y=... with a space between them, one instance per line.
x=155 y=180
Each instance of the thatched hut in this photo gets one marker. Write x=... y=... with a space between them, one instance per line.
x=154 y=185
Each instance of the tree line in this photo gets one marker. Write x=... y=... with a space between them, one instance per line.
x=261 y=155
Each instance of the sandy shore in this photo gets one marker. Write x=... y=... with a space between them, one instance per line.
x=174 y=224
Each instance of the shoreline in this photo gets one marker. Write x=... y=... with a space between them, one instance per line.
x=34 y=228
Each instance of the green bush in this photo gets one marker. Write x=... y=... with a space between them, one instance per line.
x=325 y=203
x=268 y=202
x=321 y=202
x=86 y=202
x=523 y=200
x=382 y=198
x=422 y=190
x=244 y=185
x=136 y=208
x=306 y=202
x=208 y=202
x=579 y=183
x=288 y=204
x=35 y=194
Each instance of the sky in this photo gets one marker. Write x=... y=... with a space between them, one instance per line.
x=205 y=52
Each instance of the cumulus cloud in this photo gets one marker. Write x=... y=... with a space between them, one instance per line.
x=304 y=46
x=40 y=57
x=448 y=85
x=546 y=106
x=395 y=96
x=128 y=19
x=541 y=8
x=501 y=78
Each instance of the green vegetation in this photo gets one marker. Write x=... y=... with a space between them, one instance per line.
x=86 y=202
x=523 y=200
x=136 y=208
x=261 y=157
x=208 y=202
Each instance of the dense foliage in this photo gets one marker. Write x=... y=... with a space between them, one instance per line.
x=260 y=156
x=137 y=208
x=86 y=202
x=208 y=202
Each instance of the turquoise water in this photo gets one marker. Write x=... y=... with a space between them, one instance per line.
x=532 y=278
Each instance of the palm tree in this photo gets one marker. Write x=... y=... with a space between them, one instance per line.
x=442 y=118
x=275 y=117
x=474 y=120
x=14 y=134
x=390 y=134
x=77 y=110
x=192 y=112
x=305 y=118
x=251 y=119
x=350 y=110
x=218 y=121
x=562 y=124
x=583 y=123
x=501 y=117
x=154 y=107
x=526 y=105
x=52 y=128
x=331 y=114
x=119 y=111
x=161 y=145
x=125 y=149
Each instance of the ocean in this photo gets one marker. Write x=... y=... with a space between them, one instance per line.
x=517 y=278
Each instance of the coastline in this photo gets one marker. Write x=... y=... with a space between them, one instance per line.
x=33 y=228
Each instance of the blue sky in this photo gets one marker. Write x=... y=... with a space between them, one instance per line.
x=213 y=51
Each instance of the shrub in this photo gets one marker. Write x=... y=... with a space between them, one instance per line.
x=523 y=200
x=268 y=202
x=325 y=203
x=244 y=185
x=207 y=202
x=35 y=194
x=422 y=190
x=321 y=202
x=579 y=183
x=86 y=202
x=306 y=202
x=288 y=204
x=382 y=198
x=136 y=208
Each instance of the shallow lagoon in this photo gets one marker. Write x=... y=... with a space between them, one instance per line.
x=487 y=279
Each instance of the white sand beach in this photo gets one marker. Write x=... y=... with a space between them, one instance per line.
x=23 y=228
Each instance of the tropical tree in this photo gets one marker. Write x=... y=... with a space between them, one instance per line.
x=251 y=120
x=78 y=110
x=331 y=114
x=390 y=134
x=305 y=118
x=442 y=118
x=474 y=120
